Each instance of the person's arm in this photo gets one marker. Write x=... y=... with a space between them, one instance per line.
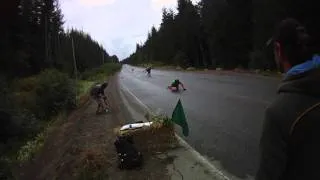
x=182 y=86
x=273 y=155
x=103 y=94
x=103 y=91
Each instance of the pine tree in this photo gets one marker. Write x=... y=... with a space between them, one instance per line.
x=34 y=39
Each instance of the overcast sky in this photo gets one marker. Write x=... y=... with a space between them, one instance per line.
x=116 y=24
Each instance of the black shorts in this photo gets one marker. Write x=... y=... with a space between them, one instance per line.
x=98 y=98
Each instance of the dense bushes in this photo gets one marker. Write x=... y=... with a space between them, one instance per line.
x=46 y=94
x=8 y=122
x=27 y=105
x=54 y=92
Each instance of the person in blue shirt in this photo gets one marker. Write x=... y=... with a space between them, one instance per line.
x=290 y=144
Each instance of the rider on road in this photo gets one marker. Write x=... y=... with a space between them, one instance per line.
x=175 y=85
x=148 y=70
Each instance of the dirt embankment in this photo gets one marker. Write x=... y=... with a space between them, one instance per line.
x=82 y=148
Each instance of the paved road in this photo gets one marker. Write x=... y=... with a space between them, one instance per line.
x=225 y=112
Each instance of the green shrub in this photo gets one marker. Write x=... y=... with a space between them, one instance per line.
x=29 y=148
x=26 y=84
x=5 y=168
x=27 y=105
x=54 y=92
x=84 y=87
x=45 y=94
x=163 y=119
x=28 y=151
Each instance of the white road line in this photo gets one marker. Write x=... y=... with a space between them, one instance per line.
x=202 y=159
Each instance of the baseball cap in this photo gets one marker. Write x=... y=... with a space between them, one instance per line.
x=288 y=33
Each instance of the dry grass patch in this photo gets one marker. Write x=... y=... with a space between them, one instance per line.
x=158 y=138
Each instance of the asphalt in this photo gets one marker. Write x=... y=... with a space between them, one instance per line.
x=224 y=112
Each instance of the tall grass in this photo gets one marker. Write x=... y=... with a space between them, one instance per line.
x=93 y=76
x=32 y=147
x=101 y=73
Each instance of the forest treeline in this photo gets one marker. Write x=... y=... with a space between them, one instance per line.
x=221 y=33
x=38 y=64
x=33 y=39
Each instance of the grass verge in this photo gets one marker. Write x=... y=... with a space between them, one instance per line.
x=93 y=76
x=101 y=73
x=83 y=87
x=32 y=147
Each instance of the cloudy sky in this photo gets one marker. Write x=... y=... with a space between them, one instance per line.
x=117 y=24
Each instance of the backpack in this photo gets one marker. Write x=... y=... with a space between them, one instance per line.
x=129 y=157
x=95 y=90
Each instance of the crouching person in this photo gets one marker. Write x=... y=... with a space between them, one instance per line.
x=97 y=93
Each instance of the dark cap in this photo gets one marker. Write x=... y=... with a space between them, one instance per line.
x=297 y=45
x=288 y=33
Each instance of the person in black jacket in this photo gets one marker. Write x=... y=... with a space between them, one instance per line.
x=97 y=93
x=290 y=141
x=148 y=70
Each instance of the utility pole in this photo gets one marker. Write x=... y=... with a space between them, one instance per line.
x=59 y=48
x=75 y=67
x=74 y=59
x=102 y=57
x=46 y=39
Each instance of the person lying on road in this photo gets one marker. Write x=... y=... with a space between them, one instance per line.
x=175 y=85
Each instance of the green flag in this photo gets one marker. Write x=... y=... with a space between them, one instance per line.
x=179 y=118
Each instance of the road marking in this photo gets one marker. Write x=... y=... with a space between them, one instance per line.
x=197 y=155
x=135 y=97
x=201 y=158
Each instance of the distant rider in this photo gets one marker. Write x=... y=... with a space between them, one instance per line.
x=97 y=93
x=175 y=85
x=148 y=70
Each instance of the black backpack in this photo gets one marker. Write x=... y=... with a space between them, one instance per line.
x=129 y=157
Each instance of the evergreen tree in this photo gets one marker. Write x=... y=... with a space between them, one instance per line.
x=34 y=39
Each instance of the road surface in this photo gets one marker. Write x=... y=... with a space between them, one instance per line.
x=224 y=112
